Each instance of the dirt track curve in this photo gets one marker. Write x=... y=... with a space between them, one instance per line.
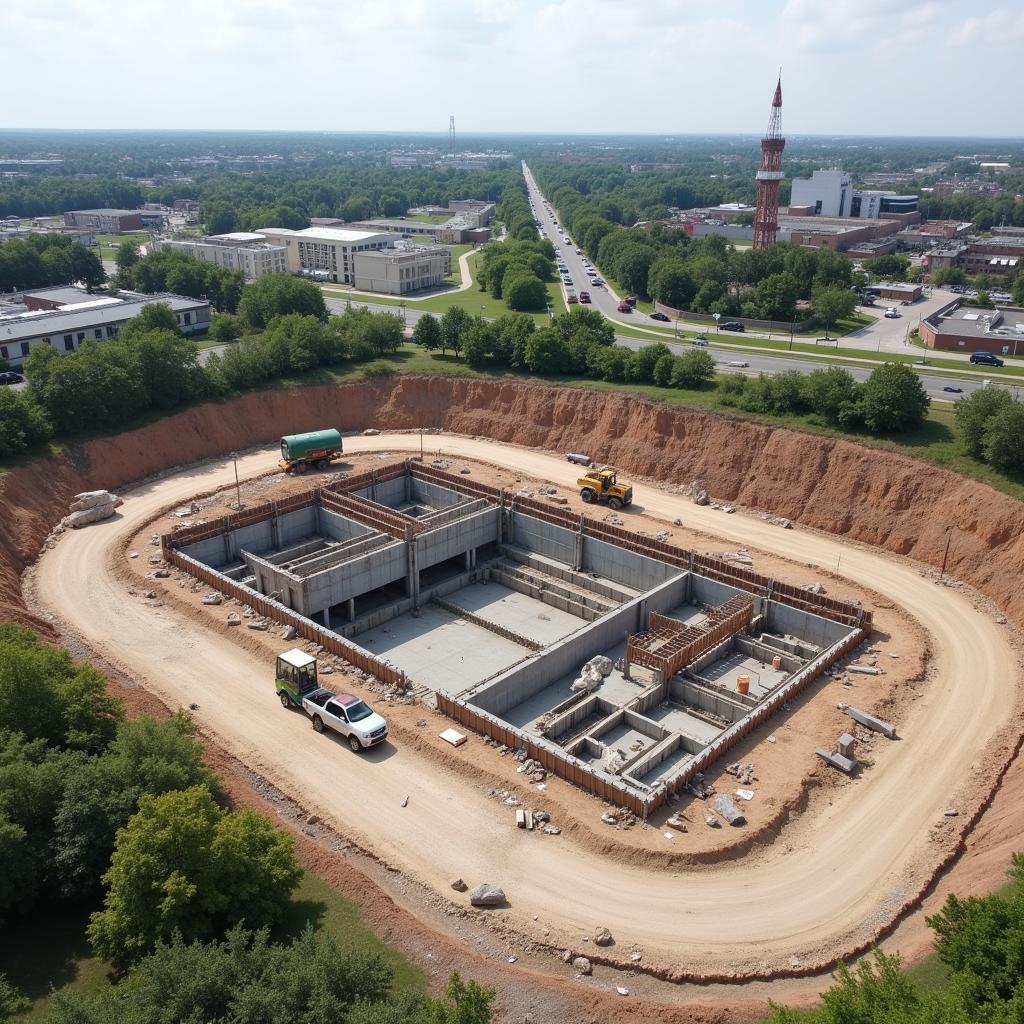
x=867 y=852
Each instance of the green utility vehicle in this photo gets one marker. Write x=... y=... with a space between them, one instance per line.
x=296 y=677
x=318 y=448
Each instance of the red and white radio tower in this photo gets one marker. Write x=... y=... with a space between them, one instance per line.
x=766 y=216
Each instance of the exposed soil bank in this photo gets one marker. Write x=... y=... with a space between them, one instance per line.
x=870 y=495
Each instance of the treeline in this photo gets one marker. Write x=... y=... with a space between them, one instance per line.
x=97 y=810
x=517 y=271
x=42 y=260
x=168 y=271
x=979 y=941
x=514 y=211
x=45 y=195
x=284 y=330
x=291 y=196
x=705 y=275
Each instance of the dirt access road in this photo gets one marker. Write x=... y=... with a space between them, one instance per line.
x=846 y=874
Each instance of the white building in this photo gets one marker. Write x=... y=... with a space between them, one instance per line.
x=243 y=251
x=326 y=253
x=401 y=269
x=94 y=318
x=830 y=193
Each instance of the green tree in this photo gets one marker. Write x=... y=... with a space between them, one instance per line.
x=87 y=267
x=547 y=352
x=692 y=369
x=640 y=368
x=385 y=333
x=663 y=368
x=481 y=344
x=226 y=327
x=524 y=292
x=427 y=332
x=1003 y=446
x=182 y=865
x=455 y=322
x=154 y=316
x=278 y=294
x=830 y=393
x=894 y=399
x=127 y=255
x=776 y=297
x=22 y=422
x=218 y=217
x=673 y=285
x=832 y=304
x=45 y=695
x=892 y=267
x=973 y=413
x=12 y=1001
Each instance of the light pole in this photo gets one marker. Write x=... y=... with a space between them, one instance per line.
x=792 y=328
x=945 y=554
x=238 y=486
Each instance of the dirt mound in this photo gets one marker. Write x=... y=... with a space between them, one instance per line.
x=868 y=494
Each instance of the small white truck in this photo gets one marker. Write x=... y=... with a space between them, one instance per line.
x=347 y=715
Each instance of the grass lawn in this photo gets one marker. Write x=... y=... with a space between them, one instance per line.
x=108 y=243
x=48 y=952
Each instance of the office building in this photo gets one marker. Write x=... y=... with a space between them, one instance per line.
x=243 y=251
x=830 y=193
x=326 y=253
x=401 y=269
x=973 y=329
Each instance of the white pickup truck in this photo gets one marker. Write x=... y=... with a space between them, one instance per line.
x=345 y=714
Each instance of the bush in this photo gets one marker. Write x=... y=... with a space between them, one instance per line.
x=693 y=369
x=1003 y=446
x=226 y=327
x=973 y=413
x=22 y=422
x=663 y=370
x=525 y=292
x=184 y=866
x=893 y=399
x=278 y=294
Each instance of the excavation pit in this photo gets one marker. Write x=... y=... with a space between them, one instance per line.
x=494 y=603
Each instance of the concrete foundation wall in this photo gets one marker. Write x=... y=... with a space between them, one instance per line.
x=783 y=618
x=339 y=527
x=391 y=492
x=456 y=538
x=357 y=577
x=531 y=676
x=713 y=593
x=543 y=538
x=434 y=494
x=271 y=579
x=624 y=566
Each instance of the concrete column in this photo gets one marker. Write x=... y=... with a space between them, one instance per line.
x=412 y=578
x=408 y=483
x=351 y=609
x=469 y=559
x=327 y=618
x=275 y=523
x=578 y=554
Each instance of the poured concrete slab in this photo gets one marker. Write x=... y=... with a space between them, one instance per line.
x=690 y=614
x=623 y=737
x=440 y=650
x=670 y=766
x=676 y=718
x=615 y=689
x=520 y=613
x=763 y=678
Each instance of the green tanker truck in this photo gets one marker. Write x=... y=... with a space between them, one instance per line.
x=318 y=448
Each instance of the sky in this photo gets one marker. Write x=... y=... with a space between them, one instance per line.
x=859 y=67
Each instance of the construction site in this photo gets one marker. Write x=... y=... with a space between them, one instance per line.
x=621 y=663
x=610 y=675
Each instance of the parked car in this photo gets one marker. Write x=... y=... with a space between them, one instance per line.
x=892 y=313
x=632 y=299
x=567 y=281
x=732 y=325
x=347 y=715
x=624 y=307
x=571 y=298
x=10 y=377
x=597 y=282
x=658 y=315
x=986 y=359
x=585 y=297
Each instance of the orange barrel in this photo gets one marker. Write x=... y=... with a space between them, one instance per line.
x=743 y=684
x=776 y=662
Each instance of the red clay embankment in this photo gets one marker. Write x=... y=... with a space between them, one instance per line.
x=870 y=495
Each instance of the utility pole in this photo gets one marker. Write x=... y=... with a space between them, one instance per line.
x=238 y=486
x=945 y=554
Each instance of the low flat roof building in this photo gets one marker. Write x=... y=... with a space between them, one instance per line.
x=401 y=269
x=327 y=253
x=94 y=318
x=113 y=222
x=960 y=328
x=244 y=251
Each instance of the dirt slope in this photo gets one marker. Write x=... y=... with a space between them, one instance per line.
x=870 y=495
